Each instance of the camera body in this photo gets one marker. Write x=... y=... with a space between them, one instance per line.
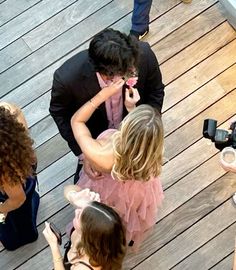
x=222 y=138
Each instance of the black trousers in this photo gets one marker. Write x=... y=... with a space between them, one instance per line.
x=78 y=169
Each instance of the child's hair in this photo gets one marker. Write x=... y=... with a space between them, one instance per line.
x=138 y=145
x=16 y=150
x=103 y=236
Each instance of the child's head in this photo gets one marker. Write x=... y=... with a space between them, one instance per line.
x=138 y=145
x=16 y=150
x=102 y=236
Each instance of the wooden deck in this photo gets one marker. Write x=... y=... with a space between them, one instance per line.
x=196 y=48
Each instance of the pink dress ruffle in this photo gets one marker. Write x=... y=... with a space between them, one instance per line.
x=136 y=202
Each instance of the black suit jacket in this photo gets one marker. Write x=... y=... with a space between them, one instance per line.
x=75 y=82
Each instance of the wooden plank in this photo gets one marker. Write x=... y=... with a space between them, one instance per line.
x=58 y=172
x=63 y=21
x=58 y=24
x=191 y=131
x=186 y=162
x=42 y=260
x=183 y=218
x=200 y=75
x=30 y=19
x=62 y=45
x=197 y=52
x=226 y=263
x=190 y=185
x=46 y=153
x=12 y=8
x=166 y=24
x=194 y=237
x=181 y=38
x=12 y=54
x=43 y=131
x=199 y=100
x=37 y=109
x=211 y=252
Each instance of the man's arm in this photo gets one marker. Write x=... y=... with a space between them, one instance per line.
x=154 y=87
x=60 y=110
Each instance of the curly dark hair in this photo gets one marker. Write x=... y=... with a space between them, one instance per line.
x=114 y=53
x=16 y=151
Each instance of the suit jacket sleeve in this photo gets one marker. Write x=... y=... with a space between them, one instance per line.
x=154 y=87
x=61 y=111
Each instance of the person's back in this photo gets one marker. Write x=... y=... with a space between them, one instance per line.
x=134 y=156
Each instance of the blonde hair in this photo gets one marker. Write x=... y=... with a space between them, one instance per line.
x=138 y=145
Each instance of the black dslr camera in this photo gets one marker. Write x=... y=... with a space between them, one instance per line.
x=220 y=137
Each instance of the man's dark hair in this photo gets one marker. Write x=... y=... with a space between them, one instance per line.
x=114 y=53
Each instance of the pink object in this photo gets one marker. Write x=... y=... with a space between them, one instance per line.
x=114 y=105
x=136 y=202
x=132 y=81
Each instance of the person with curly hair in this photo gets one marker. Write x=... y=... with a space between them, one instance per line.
x=19 y=200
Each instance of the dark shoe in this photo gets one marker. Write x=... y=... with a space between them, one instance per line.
x=139 y=36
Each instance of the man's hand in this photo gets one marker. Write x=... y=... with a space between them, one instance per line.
x=92 y=174
x=131 y=98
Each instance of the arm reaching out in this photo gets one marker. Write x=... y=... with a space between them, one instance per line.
x=90 y=147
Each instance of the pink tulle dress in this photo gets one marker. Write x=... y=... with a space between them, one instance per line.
x=136 y=202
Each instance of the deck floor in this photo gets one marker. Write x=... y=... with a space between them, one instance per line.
x=196 y=49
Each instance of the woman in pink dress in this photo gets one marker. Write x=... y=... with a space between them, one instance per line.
x=130 y=160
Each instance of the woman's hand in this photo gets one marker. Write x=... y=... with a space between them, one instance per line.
x=131 y=98
x=50 y=236
x=82 y=198
x=111 y=90
x=92 y=173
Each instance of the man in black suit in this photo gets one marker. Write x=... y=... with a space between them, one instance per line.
x=111 y=55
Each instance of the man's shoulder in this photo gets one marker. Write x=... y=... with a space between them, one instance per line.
x=75 y=68
x=144 y=46
x=76 y=60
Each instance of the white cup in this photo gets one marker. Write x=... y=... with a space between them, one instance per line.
x=228 y=157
